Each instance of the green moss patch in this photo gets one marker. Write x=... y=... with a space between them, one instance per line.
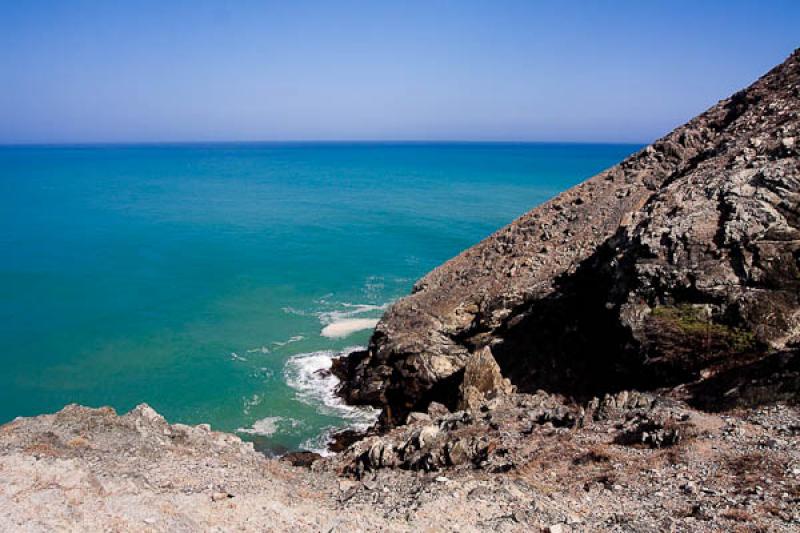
x=689 y=327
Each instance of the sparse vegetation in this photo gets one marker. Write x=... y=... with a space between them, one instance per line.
x=738 y=515
x=595 y=455
x=684 y=338
x=691 y=321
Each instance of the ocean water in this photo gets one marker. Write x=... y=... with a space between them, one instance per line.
x=212 y=281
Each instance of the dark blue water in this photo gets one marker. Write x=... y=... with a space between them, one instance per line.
x=199 y=278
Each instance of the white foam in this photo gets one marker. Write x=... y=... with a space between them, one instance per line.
x=260 y=349
x=348 y=326
x=251 y=402
x=294 y=311
x=350 y=310
x=343 y=322
x=236 y=357
x=270 y=425
x=319 y=443
x=263 y=373
x=309 y=375
x=290 y=340
x=265 y=427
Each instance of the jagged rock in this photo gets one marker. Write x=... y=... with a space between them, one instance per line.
x=381 y=454
x=437 y=409
x=482 y=379
x=611 y=404
x=651 y=432
x=418 y=418
x=458 y=452
x=301 y=458
x=425 y=436
x=684 y=256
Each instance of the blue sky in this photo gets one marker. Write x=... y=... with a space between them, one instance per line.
x=74 y=71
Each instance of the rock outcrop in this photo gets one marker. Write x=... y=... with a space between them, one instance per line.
x=482 y=379
x=684 y=259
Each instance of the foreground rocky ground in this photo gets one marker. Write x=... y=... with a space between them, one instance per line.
x=517 y=462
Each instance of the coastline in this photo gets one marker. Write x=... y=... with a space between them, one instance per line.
x=624 y=357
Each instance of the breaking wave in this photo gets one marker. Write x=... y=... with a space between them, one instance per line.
x=310 y=377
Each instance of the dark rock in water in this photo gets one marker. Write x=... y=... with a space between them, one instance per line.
x=683 y=257
x=341 y=440
x=301 y=458
x=324 y=372
x=266 y=445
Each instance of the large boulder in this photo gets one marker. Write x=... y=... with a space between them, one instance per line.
x=482 y=379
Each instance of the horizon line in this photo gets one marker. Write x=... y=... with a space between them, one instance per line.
x=306 y=141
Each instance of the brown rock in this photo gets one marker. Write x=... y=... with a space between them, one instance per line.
x=482 y=379
x=301 y=458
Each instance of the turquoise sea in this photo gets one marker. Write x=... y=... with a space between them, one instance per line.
x=200 y=278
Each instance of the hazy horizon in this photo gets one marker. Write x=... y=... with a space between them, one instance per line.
x=276 y=142
x=89 y=72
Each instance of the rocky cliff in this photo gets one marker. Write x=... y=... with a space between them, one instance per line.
x=680 y=262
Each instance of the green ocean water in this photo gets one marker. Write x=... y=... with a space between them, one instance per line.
x=200 y=278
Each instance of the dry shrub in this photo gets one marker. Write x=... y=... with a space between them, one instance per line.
x=607 y=479
x=41 y=450
x=750 y=468
x=78 y=442
x=774 y=510
x=738 y=515
x=596 y=454
x=750 y=528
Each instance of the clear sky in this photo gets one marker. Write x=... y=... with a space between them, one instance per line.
x=82 y=71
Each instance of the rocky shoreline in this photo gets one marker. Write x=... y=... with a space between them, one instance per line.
x=625 y=357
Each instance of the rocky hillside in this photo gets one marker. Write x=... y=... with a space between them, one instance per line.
x=679 y=263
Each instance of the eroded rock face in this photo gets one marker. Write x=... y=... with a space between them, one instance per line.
x=684 y=256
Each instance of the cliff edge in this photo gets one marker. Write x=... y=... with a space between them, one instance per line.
x=680 y=262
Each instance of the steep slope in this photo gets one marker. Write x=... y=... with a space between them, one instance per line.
x=683 y=257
